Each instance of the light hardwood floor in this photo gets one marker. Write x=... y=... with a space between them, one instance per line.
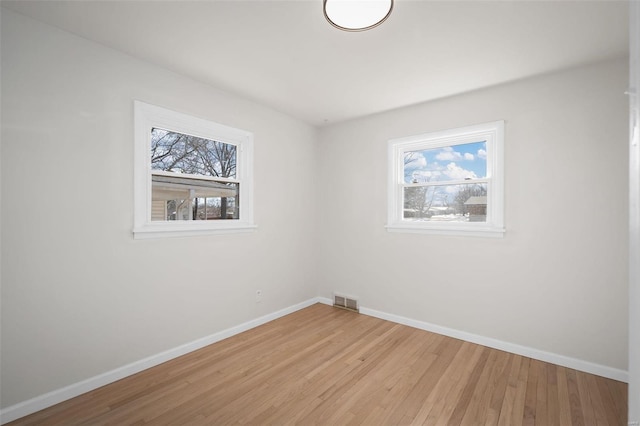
x=323 y=365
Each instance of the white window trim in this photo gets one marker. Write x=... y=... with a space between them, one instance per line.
x=493 y=133
x=148 y=116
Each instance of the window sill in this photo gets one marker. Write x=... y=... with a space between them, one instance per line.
x=454 y=230
x=172 y=229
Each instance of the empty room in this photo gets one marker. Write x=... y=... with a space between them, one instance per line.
x=332 y=212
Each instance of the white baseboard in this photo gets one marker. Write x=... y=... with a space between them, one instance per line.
x=564 y=361
x=57 y=396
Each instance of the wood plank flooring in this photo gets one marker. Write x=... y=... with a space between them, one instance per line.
x=326 y=366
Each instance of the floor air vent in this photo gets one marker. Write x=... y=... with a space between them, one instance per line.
x=345 y=302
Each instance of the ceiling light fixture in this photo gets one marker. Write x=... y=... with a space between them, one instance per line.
x=357 y=15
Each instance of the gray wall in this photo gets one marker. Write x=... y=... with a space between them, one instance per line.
x=634 y=246
x=558 y=280
x=79 y=295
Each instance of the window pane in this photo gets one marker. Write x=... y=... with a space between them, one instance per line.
x=456 y=162
x=447 y=203
x=181 y=198
x=179 y=153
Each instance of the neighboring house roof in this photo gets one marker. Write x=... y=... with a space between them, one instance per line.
x=175 y=187
x=476 y=200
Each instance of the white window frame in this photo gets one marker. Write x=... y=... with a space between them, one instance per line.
x=148 y=116
x=493 y=134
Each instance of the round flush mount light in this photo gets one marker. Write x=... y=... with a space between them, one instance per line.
x=357 y=15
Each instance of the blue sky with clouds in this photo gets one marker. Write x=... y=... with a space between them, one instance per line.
x=457 y=162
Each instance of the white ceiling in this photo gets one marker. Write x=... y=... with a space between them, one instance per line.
x=285 y=55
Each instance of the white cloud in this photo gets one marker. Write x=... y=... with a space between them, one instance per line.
x=425 y=175
x=482 y=154
x=415 y=160
x=455 y=172
x=449 y=154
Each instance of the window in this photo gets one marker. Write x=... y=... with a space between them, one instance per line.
x=448 y=182
x=192 y=176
